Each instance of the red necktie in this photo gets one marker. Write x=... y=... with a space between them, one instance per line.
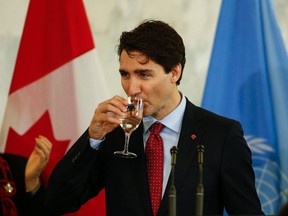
x=154 y=162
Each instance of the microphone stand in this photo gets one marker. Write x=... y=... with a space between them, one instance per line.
x=172 y=189
x=200 y=187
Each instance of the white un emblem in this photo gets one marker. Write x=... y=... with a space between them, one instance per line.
x=271 y=182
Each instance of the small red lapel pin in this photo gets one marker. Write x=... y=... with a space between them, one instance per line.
x=193 y=136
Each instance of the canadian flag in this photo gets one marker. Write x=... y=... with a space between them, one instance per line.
x=56 y=85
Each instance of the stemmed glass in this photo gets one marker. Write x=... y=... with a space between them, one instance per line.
x=130 y=122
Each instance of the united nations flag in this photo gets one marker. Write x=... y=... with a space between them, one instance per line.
x=247 y=80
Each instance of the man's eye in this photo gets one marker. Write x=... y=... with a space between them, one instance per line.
x=124 y=75
x=144 y=75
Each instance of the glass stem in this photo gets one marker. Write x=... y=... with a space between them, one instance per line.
x=127 y=138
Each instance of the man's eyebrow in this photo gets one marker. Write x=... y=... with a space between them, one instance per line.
x=142 y=70
x=136 y=71
x=122 y=71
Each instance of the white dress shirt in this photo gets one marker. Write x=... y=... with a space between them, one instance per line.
x=170 y=135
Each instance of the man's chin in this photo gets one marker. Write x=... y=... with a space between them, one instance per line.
x=145 y=113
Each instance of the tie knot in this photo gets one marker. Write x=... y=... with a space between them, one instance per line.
x=156 y=128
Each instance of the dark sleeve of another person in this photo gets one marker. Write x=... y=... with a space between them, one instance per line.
x=26 y=203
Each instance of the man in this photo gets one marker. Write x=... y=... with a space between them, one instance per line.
x=21 y=191
x=152 y=58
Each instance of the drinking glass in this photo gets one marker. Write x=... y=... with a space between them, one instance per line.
x=129 y=122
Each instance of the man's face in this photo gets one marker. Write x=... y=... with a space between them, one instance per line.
x=149 y=80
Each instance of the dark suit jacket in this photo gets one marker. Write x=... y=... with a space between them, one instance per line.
x=228 y=176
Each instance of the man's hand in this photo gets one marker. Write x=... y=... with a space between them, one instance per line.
x=106 y=117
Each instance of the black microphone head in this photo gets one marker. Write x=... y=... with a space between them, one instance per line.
x=174 y=150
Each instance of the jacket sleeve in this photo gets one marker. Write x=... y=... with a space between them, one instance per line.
x=35 y=203
x=76 y=178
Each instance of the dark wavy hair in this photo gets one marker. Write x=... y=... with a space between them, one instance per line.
x=158 y=41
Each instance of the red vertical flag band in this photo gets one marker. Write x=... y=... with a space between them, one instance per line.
x=55 y=71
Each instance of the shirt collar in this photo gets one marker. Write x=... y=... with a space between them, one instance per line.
x=173 y=120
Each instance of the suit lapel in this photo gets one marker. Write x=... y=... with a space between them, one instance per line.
x=190 y=137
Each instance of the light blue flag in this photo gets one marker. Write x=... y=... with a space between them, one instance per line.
x=248 y=81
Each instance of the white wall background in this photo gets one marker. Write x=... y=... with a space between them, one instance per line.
x=195 y=20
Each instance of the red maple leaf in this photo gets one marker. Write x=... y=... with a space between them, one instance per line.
x=24 y=144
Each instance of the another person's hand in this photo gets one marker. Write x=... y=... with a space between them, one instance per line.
x=106 y=117
x=36 y=163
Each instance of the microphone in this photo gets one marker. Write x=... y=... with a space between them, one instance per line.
x=200 y=187
x=172 y=189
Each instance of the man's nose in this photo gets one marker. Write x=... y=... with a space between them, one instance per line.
x=133 y=87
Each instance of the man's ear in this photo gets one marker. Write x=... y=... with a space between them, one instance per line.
x=176 y=73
